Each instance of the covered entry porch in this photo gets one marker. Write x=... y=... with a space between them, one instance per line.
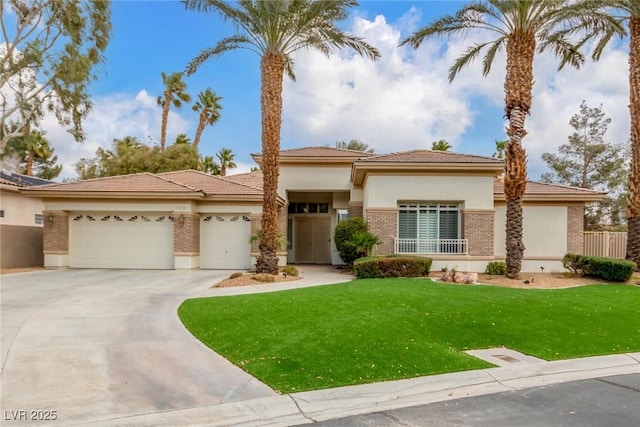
x=311 y=220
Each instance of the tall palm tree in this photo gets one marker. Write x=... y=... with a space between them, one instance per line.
x=226 y=160
x=174 y=94
x=208 y=104
x=441 y=145
x=275 y=30
x=522 y=28
x=628 y=11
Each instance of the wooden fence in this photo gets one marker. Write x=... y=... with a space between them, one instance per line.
x=605 y=244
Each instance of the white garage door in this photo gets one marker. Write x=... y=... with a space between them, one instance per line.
x=224 y=241
x=122 y=240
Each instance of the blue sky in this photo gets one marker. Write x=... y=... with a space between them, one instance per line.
x=402 y=102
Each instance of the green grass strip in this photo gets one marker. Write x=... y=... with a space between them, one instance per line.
x=384 y=329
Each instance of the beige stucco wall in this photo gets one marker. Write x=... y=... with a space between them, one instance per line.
x=120 y=206
x=19 y=209
x=545 y=231
x=385 y=191
x=310 y=178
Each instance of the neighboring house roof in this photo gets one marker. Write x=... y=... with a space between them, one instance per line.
x=424 y=161
x=19 y=180
x=15 y=181
x=540 y=191
x=316 y=155
x=188 y=184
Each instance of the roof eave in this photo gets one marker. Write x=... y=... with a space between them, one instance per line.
x=52 y=194
x=360 y=169
x=596 y=197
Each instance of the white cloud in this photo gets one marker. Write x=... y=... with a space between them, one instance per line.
x=405 y=101
x=114 y=116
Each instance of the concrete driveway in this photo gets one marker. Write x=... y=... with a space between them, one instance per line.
x=99 y=344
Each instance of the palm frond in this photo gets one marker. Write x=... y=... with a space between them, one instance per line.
x=471 y=54
x=224 y=45
x=488 y=58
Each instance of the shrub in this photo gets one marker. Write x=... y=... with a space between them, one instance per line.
x=343 y=235
x=496 y=268
x=615 y=270
x=234 y=275
x=264 y=277
x=391 y=266
x=290 y=270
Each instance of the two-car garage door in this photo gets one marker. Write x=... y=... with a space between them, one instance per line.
x=121 y=240
x=145 y=241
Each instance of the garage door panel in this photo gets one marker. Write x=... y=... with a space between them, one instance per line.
x=224 y=241
x=121 y=241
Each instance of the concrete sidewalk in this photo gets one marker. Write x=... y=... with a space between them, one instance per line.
x=321 y=405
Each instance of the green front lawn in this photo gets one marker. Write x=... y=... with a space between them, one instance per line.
x=383 y=329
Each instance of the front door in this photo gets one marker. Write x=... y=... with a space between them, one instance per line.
x=312 y=243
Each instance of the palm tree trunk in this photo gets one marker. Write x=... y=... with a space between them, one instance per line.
x=30 y=160
x=223 y=169
x=200 y=129
x=165 y=116
x=517 y=87
x=633 y=196
x=272 y=71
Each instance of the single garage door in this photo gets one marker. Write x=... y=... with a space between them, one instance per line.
x=224 y=241
x=121 y=240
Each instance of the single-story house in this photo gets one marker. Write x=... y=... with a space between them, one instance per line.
x=21 y=222
x=447 y=206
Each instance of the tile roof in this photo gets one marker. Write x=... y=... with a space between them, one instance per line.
x=179 y=182
x=134 y=183
x=254 y=179
x=545 y=189
x=320 y=151
x=430 y=156
x=19 y=180
x=211 y=184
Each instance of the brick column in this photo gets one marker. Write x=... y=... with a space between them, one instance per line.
x=186 y=234
x=383 y=223
x=355 y=209
x=478 y=228
x=256 y=225
x=56 y=232
x=575 y=228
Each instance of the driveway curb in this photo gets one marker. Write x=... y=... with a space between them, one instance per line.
x=322 y=405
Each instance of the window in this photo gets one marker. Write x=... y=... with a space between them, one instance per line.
x=2 y=213
x=429 y=228
x=39 y=219
x=342 y=215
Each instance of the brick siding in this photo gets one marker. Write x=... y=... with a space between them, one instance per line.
x=56 y=232
x=478 y=228
x=575 y=228
x=186 y=233
x=384 y=225
x=355 y=209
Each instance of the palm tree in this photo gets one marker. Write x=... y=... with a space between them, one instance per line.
x=208 y=105
x=275 y=30
x=629 y=11
x=501 y=146
x=226 y=160
x=520 y=26
x=441 y=145
x=209 y=165
x=174 y=94
x=182 y=138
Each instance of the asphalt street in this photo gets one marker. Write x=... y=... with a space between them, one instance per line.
x=608 y=401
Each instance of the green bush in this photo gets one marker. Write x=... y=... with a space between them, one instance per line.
x=496 y=268
x=615 y=270
x=290 y=270
x=391 y=266
x=343 y=235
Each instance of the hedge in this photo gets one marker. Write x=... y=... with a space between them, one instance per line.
x=391 y=266
x=615 y=270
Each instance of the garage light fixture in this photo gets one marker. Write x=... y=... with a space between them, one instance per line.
x=181 y=219
x=51 y=218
